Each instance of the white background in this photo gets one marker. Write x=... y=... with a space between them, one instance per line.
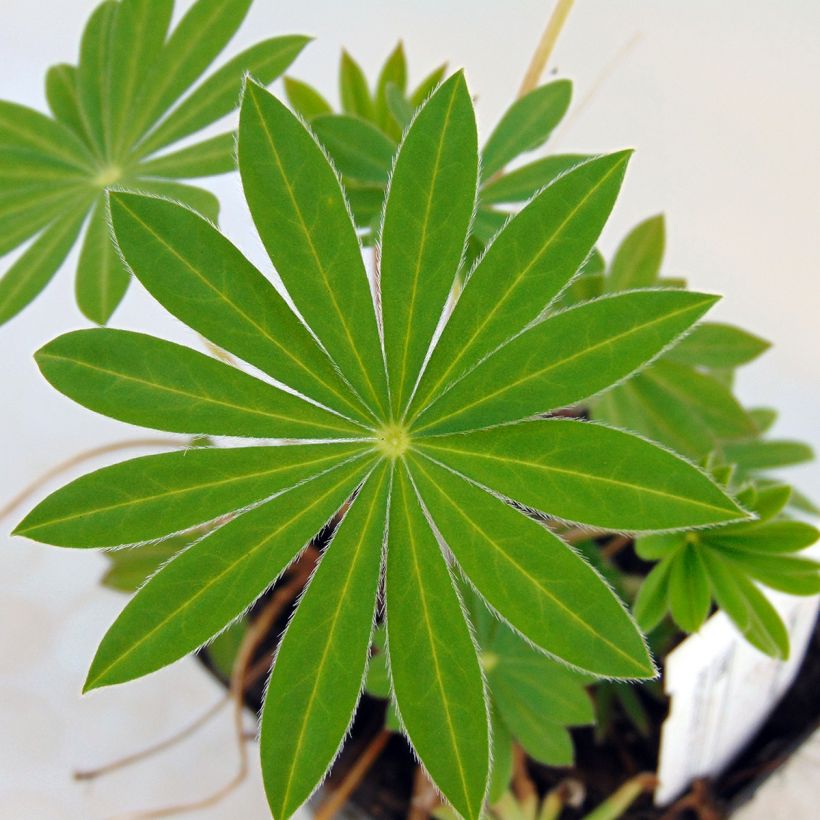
x=721 y=101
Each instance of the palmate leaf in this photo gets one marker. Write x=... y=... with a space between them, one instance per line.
x=243 y=513
x=111 y=113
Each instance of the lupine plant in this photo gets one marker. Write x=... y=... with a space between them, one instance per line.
x=419 y=428
x=113 y=117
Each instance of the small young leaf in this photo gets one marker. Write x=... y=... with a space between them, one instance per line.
x=359 y=150
x=650 y=605
x=153 y=383
x=717 y=345
x=793 y=575
x=431 y=652
x=566 y=358
x=527 y=123
x=305 y=100
x=427 y=86
x=401 y=110
x=548 y=241
x=292 y=190
x=522 y=183
x=755 y=455
x=394 y=72
x=149 y=497
x=689 y=592
x=532 y=578
x=317 y=675
x=101 y=277
x=767 y=537
x=427 y=214
x=763 y=417
x=637 y=262
x=353 y=90
x=502 y=758
x=751 y=612
x=212 y=582
x=579 y=471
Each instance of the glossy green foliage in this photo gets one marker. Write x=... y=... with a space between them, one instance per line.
x=360 y=447
x=363 y=137
x=725 y=564
x=114 y=117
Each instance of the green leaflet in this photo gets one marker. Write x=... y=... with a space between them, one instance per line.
x=200 y=277
x=198 y=199
x=22 y=127
x=305 y=100
x=579 y=471
x=393 y=73
x=768 y=537
x=755 y=455
x=743 y=602
x=63 y=98
x=196 y=41
x=673 y=404
x=793 y=575
x=129 y=568
x=401 y=110
x=34 y=269
x=138 y=36
x=359 y=150
x=716 y=345
x=538 y=252
x=502 y=758
x=427 y=86
x=101 y=277
x=212 y=582
x=527 y=123
x=431 y=652
x=537 y=698
x=637 y=261
x=149 y=497
x=317 y=676
x=208 y=158
x=353 y=90
x=532 y=578
x=690 y=595
x=218 y=95
x=650 y=605
x=427 y=214
x=522 y=183
x=153 y=383
x=93 y=76
x=566 y=358
x=292 y=190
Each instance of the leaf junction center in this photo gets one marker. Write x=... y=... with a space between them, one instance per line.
x=393 y=440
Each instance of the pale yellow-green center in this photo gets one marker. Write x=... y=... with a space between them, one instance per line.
x=488 y=661
x=393 y=440
x=109 y=175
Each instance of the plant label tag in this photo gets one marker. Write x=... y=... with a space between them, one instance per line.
x=722 y=689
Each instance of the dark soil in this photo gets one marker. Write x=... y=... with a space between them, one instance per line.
x=601 y=765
